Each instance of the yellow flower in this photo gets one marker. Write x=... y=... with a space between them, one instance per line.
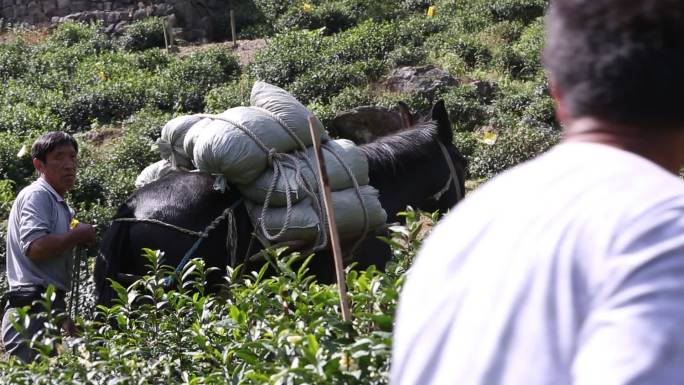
x=73 y=224
x=431 y=11
x=307 y=7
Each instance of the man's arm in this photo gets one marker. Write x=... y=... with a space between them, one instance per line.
x=52 y=245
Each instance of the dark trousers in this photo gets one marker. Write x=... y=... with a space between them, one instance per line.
x=16 y=343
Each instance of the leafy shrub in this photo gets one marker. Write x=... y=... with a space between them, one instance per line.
x=143 y=34
x=513 y=146
x=15 y=59
x=330 y=15
x=523 y=59
x=466 y=143
x=12 y=167
x=368 y=40
x=87 y=37
x=523 y=10
x=6 y=197
x=326 y=81
x=103 y=102
x=231 y=95
x=183 y=84
x=22 y=118
x=103 y=180
x=415 y=30
x=464 y=107
x=406 y=56
x=288 y=56
x=146 y=123
x=417 y=102
x=152 y=59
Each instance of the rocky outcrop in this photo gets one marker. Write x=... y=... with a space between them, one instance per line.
x=426 y=80
x=194 y=19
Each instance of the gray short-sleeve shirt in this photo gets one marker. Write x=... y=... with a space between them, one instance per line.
x=37 y=211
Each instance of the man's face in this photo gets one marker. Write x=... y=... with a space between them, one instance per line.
x=59 y=168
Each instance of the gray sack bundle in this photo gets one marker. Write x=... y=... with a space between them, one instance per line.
x=304 y=222
x=241 y=142
x=352 y=158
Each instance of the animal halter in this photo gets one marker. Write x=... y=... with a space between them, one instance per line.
x=452 y=169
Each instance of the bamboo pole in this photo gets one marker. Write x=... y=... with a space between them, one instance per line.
x=332 y=225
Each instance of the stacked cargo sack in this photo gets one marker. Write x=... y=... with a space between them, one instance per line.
x=265 y=150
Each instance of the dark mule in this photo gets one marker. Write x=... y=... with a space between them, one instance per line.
x=418 y=166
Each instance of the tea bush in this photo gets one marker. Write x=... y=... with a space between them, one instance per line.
x=285 y=328
x=142 y=35
x=513 y=146
x=288 y=56
x=232 y=95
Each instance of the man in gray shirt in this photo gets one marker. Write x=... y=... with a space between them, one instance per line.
x=40 y=240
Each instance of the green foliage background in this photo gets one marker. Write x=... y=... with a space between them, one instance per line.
x=116 y=94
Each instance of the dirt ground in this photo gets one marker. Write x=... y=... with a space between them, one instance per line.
x=245 y=49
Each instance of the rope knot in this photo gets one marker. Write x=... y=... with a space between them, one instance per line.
x=272 y=153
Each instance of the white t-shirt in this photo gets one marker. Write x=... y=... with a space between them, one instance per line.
x=568 y=269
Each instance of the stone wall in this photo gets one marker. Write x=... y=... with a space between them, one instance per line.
x=194 y=19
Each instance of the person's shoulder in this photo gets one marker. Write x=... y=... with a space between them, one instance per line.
x=34 y=192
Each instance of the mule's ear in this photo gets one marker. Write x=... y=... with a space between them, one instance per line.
x=406 y=117
x=441 y=117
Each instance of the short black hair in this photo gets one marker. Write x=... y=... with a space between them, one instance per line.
x=618 y=60
x=49 y=141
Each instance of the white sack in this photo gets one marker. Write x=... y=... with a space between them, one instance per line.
x=338 y=177
x=171 y=142
x=192 y=135
x=305 y=225
x=153 y=172
x=223 y=148
x=289 y=110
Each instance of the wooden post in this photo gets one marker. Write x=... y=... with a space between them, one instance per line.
x=166 y=33
x=232 y=27
x=332 y=226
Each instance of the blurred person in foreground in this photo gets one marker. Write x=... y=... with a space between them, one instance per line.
x=40 y=240
x=569 y=269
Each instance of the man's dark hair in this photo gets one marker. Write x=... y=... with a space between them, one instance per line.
x=618 y=60
x=48 y=142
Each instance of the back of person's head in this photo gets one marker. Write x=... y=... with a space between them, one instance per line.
x=618 y=60
x=49 y=142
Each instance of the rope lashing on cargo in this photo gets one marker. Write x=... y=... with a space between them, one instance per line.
x=231 y=236
x=281 y=161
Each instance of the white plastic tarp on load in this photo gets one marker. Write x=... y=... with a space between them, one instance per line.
x=338 y=177
x=153 y=172
x=305 y=225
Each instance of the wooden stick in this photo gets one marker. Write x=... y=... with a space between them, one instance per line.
x=332 y=225
x=233 y=27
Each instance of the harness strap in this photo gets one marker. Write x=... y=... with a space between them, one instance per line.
x=452 y=169
x=232 y=245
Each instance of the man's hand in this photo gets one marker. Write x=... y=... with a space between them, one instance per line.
x=85 y=234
